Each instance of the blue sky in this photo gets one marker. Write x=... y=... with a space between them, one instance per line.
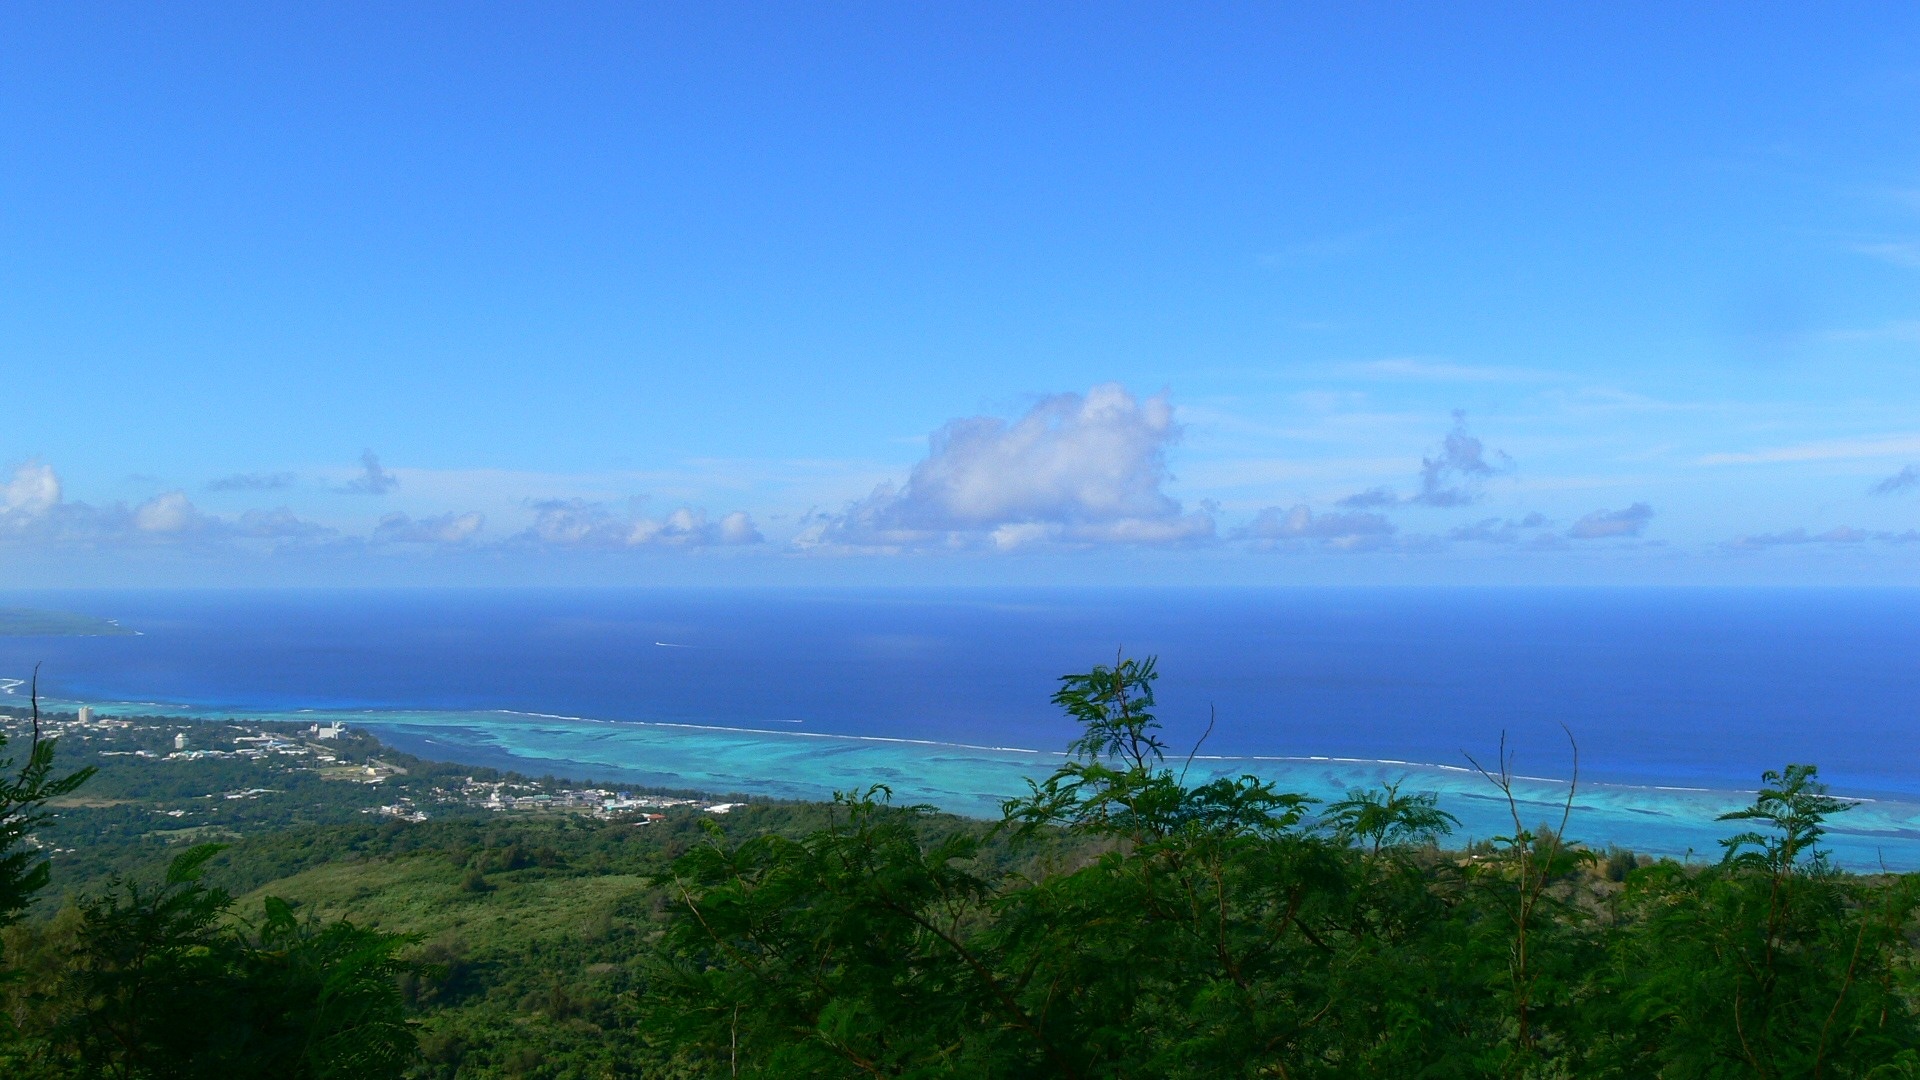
x=869 y=294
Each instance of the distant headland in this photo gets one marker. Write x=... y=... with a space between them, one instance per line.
x=27 y=622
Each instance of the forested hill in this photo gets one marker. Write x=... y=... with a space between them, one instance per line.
x=1116 y=923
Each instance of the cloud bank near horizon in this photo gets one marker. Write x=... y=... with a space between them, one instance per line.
x=34 y=513
x=580 y=524
x=1074 y=472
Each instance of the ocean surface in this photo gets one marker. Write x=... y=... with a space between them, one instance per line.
x=1677 y=699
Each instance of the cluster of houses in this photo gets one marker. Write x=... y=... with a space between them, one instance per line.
x=598 y=802
x=257 y=744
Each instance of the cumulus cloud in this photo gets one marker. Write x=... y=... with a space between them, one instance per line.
x=373 y=480
x=171 y=517
x=1903 y=480
x=33 y=511
x=1349 y=531
x=1454 y=475
x=399 y=528
x=252 y=482
x=1603 y=524
x=170 y=513
x=738 y=528
x=1075 y=470
x=33 y=508
x=577 y=523
x=33 y=490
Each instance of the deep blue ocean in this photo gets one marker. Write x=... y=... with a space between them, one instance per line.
x=1661 y=688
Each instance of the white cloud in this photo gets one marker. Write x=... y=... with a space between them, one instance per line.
x=1346 y=531
x=1605 y=524
x=1454 y=476
x=1075 y=470
x=578 y=523
x=33 y=490
x=398 y=528
x=738 y=528
x=32 y=511
x=688 y=527
x=169 y=513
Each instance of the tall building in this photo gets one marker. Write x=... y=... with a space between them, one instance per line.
x=86 y=714
x=180 y=741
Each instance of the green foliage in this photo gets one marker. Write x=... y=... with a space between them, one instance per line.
x=1167 y=930
x=1771 y=964
x=851 y=935
x=159 y=982
x=1114 y=707
x=325 y=997
x=1384 y=820
x=23 y=799
x=1795 y=806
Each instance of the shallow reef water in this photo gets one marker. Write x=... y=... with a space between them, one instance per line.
x=1678 y=698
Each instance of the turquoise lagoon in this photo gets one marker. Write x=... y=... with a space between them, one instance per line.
x=1679 y=698
x=974 y=780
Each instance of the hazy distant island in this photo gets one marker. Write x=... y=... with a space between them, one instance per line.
x=28 y=622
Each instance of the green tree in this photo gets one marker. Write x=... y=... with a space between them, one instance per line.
x=1186 y=937
x=845 y=951
x=1771 y=964
x=162 y=982
x=1120 y=922
x=1383 y=821
x=24 y=795
x=23 y=798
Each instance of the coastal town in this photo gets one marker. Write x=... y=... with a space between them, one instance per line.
x=193 y=779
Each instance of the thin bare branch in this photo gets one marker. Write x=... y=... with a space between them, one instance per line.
x=1212 y=715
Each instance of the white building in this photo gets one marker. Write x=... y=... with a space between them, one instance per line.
x=180 y=741
x=86 y=715
x=328 y=731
